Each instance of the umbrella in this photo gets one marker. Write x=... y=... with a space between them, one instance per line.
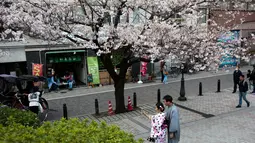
x=8 y=78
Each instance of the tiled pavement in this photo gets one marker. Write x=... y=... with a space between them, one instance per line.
x=234 y=127
x=230 y=125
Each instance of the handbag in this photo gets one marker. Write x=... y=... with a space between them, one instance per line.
x=150 y=139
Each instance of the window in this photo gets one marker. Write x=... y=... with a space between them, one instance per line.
x=107 y=18
x=251 y=6
x=203 y=17
x=136 y=17
x=239 y=6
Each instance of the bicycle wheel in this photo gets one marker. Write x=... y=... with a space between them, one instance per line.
x=44 y=104
x=43 y=116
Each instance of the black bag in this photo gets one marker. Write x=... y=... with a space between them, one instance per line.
x=150 y=139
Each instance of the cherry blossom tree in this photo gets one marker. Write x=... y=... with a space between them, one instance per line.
x=163 y=27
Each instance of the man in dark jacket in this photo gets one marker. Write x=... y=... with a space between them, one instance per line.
x=236 y=75
x=243 y=88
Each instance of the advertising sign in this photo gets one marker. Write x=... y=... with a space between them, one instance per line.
x=37 y=69
x=93 y=69
x=229 y=40
x=143 y=68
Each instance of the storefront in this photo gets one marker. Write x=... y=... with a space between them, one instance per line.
x=12 y=60
x=67 y=61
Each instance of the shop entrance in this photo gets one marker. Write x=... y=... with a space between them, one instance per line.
x=63 y=62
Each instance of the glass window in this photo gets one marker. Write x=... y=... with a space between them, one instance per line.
x=239 y=6
x=251 y=6
x=203 y=17
x=136 y=17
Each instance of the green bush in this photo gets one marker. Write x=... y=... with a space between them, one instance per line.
x=66 y=131
x=10 y=115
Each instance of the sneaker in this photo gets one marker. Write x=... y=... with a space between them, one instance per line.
x=233 y=92
x=238 y=106
x=248 y=104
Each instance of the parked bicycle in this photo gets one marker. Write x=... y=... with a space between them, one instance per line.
x=14 y=96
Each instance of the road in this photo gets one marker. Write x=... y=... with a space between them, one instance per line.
x=84 y=104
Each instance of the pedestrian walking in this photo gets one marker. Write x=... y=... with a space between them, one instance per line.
x=252 y=77
x=172 y=120
x=249 y=79
x=158 y=125
x=237 y=73
x=165 y=73
x=243 y=88
x=162 y=64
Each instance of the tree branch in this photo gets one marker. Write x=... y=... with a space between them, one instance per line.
x=36 y=5
x=119 y=13
x=78 y=36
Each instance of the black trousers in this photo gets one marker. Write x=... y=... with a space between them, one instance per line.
x=162 y=76
x=34 y=109
x=235 y=86
x=53 y=87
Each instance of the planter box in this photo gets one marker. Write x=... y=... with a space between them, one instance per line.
x=105 y=78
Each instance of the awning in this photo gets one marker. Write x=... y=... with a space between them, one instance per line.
x=69 y=51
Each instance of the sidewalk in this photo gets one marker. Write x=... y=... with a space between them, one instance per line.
x=229 y=124
x=81 y=91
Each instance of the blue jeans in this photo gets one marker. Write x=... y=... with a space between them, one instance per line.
x=70 y=84
x=242 y=95
x=250 y=84
x=165 y=79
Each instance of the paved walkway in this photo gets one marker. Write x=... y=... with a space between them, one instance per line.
x=229 y=125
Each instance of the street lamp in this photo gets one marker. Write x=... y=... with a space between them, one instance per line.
x=182 y=91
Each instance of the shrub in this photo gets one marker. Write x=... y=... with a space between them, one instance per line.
x=66 y=131
x=11 y=115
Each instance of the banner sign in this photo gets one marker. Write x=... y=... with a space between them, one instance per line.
x=37 y=69
x=93 y=69
x=143 y=68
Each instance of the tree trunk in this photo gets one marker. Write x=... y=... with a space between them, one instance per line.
x=119 y=95
x=119 y=81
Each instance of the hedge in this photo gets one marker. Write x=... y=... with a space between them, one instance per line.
x=26 y=118
x=66 y=131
